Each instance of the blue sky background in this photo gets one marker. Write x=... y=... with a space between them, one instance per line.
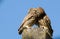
x=12 y=13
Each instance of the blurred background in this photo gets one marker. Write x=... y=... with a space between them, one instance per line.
x=12 y=13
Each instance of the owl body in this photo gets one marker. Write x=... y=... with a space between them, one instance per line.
x=46 y=24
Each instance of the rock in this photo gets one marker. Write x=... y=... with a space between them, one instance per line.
x=35 y=33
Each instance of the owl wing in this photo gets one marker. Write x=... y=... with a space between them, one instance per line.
x=25 y=19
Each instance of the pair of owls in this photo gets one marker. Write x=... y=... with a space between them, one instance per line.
x=36 y=16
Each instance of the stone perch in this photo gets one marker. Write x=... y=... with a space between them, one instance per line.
x=38 y=17
x=35 y=33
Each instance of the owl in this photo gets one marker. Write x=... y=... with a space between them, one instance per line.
x=44 y=21
x=29 y=20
